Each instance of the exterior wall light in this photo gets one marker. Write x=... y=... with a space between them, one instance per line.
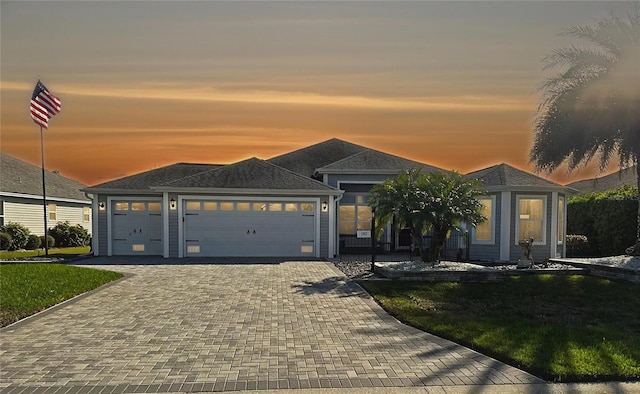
x=102 y=206
x=325 y=206
x=172 y=204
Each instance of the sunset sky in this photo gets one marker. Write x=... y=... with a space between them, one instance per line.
x=145 y=84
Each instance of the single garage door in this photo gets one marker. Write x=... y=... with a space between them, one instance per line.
x=136 y=228
x=249 y=228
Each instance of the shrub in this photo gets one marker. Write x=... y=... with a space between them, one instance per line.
x=33 y=242
x=607 y=219
x=5 y=241
x=577 y=246
x=19 y=235
x=51 y=241
x=69 y=236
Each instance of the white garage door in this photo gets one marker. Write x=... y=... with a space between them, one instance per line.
x=136 y=228
x=249 y=228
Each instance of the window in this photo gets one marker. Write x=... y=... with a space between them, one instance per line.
x=483 y=233
x=306 y=207
x=193 y=205
x=210 y=206
x=355 y=214
x=347 y=219
x=243 y=206
x=86 y=214
x=531 y=219
x=560 y=220
x=154 y=206
x=291 y=207
x=275 y=206
x=53 y=214
x=137 y=206
x=122 y=206
x=226 y=206
x=259 y=206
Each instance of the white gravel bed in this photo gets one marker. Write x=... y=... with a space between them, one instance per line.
x=613 y=261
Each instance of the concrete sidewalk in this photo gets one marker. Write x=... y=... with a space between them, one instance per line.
x=288 y=326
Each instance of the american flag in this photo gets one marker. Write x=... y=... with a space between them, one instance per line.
x=44 y=105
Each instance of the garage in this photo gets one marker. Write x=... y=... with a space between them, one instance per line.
x=136 y=227
x=249 y=228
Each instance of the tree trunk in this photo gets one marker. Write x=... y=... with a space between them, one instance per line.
x=438 y=240
x=635 y=249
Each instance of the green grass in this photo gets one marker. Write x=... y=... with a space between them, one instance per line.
x=561 y=328
x=53 y=252
x=29 y=288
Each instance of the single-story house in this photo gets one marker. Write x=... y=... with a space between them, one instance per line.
x=21 y=197
x=311 y=202
x=626 y=176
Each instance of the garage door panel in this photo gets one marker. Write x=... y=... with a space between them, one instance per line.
x=249 y=233
x=136 y=231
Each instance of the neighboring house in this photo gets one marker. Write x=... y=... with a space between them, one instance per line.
x=625 y=176
x=21 y=197
x=311 y=202
x=519 y=206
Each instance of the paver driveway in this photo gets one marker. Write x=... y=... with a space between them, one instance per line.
x=214 y=327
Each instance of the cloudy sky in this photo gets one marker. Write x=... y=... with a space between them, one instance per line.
x=146 y=84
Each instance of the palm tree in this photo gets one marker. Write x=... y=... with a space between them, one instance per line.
x=436 y=202
x=591 y=109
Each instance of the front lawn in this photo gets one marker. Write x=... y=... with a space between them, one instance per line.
x=561 y=328
x=53 y=252
x=29 y=288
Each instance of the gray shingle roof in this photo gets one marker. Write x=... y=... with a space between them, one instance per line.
x=305 y=161
x=24 y=178
x=370 y=159
x=157 y=177
x=251 y=174
x=505 y=175
x=626 y=176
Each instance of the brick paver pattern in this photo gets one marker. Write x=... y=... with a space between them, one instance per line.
x=215 y=327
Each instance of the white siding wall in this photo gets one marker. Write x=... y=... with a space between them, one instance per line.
x=31 y=215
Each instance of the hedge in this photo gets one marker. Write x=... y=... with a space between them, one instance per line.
x=608 y=219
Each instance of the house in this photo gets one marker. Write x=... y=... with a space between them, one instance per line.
x=21 y=197
x=519 y=206
x=626 y=176
x=311 y=202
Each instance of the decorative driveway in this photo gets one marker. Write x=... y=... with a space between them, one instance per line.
x=224 y=327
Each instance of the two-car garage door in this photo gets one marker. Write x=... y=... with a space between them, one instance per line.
x=249 y=228
x=218 y=228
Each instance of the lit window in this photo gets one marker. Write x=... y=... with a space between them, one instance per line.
x=210 y=206
x=306 y=249
x=193 y=249
x=307 y=207
x=53 y=215
x=193 y=205
x=137 y=248
x=137 y=206
x=259 y=206
x=122 y=206
x=347 y=219
x=86 y=214
x=483 y=232
x=154 y=206
x=226 y=206
x=275 y=206
x=364 y=217
x=531 y=219
x=243 y=206
x=291 y=207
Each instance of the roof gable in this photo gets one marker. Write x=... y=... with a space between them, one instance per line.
x=157 y=177
x=370 y=159
x=305 y=161
x=252 y=173
x=506 y=175
x=24 y=178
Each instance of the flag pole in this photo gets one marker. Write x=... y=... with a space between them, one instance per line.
x=44 y=197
